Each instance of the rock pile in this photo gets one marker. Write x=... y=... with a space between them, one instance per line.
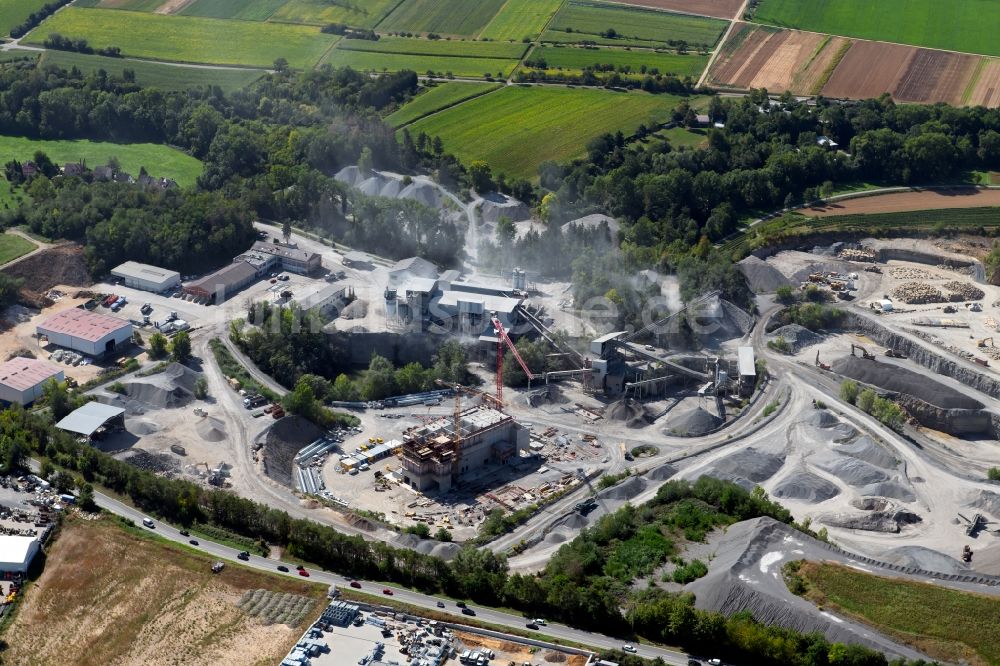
x=918 y=292
x=963 y=291
x=857 y=254
x=905 y=273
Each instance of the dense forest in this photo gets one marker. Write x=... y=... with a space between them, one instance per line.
x=584 y=584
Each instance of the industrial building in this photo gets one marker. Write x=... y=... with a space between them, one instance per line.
x=290 y=259
x=438 y=454
x=325 y=302
x=16 y=553
x=22 y=379
x=93 y=420
x=406 y=269
x=146 y=277
x=89 y=333
x=218 y=286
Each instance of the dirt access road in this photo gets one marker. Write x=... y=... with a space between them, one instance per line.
x=899 y=202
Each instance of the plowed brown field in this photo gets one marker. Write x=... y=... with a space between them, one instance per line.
x=721 y=8
x=987 y=90
x=790 y=54
x=936 y=76
x=732 y=63
x=868 y=70
x=901 y=202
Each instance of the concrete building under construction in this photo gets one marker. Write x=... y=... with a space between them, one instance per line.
x=438 y=455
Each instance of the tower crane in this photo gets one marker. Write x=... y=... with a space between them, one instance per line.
x=504 y=340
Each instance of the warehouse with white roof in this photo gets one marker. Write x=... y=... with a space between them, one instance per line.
x=22 y=379
x=86 y=332
x=146 y=277
x=16 y=553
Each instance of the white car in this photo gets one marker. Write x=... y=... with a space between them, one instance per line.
x=540 y=622
x=715 y=662
x=629 y=648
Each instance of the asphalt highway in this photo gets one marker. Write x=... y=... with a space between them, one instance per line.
x=495 y=617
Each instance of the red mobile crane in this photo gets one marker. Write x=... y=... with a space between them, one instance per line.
x=504 y=340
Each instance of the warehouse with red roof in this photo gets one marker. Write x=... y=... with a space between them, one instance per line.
x=89 y=333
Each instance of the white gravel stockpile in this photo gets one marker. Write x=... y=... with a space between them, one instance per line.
x=694 y=423
x=851 y=471
x=751 y=464
x=892 y=489
x=919 y=557
x=864 y=448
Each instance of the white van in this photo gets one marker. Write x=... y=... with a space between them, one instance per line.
x=148 y=522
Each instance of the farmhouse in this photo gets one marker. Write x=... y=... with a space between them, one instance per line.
x=16 y=553
x=146 y=277
x=325 y=301
x=86 y=332
x=22 y=379
x=93 y=420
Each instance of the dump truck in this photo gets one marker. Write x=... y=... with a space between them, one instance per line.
x=967 y=554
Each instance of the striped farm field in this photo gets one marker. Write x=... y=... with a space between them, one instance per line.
x=189 y=38
x=573 y=58
x=155 y=74
x=970 y=26
x=517 y=128
x=439 y=97
x=128 y=5
x=446 y=17
x=438 y=47
x=394 y=62
x=635 y=23
x=247 y=10
x=520 y=19
x=365 y=14
x=160 y=161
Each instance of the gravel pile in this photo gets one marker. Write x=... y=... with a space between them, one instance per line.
x=751 y=464
x=892 y=489
x=903 y=380
x=987 y=501
x=963 y=291
x=356 y=309
x=864 y=448
x=891 y=522
x=625 y=490
x=806 y=487
x=762 y=277
x=915 y=293
x=851 y=471
x=211 y=429
x=661 y=473
x=798 y=337
x=919 y=557
x=906 y=273
x=160 y=463
x=634 y=414
x=822 y=418
x=694 y=423
x=871 y=503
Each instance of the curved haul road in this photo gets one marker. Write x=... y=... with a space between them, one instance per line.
x=556 y=631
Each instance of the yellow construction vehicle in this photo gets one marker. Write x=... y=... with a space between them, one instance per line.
x=865 y=354
x=982 y=343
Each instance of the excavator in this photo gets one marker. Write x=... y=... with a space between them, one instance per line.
x=984 y=341
x=865 y=354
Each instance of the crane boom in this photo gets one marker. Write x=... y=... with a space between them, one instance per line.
x=504 y=340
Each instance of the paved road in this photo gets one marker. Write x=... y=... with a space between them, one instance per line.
x=495 y=617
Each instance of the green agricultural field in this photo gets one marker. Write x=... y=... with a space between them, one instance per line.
x=361 y=14
x=189 y=38
x=680 y=137
x=128 y=5
x=13 y=246
x=519 y=127
x=559 y=37
x=960 y=25
x=14 y=12
x=158 y=160
x=573 y=58
x=446 y=17
x=439 y=97
x=159 y=75
x=394 y=62
x=248 y=10
x=594 y=18
x=440 y=47
x=521 y=18
x=944 y=623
